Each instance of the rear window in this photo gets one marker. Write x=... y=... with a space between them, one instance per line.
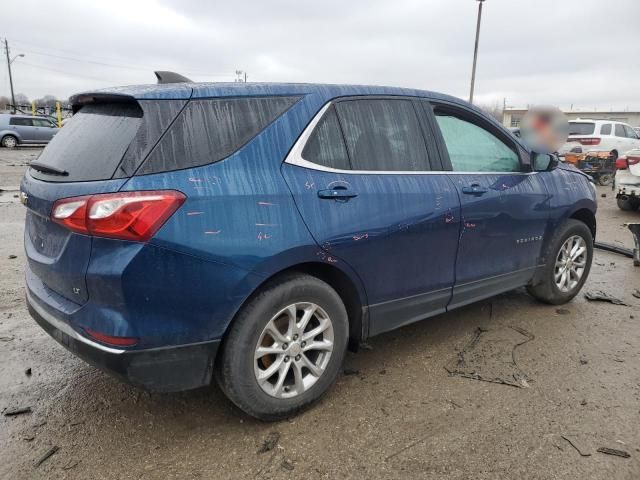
x=91 y=144
x=581 y=128
x=210 y=130
x=325 y=145
x=104 y=141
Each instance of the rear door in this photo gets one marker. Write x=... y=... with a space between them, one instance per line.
x=504 y=209
x=23 y=126
x=362 y=177
x=43 y=130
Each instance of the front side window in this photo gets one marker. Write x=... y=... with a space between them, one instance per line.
x=383 y=134
x=473 y=149
x=620 y=130
x=630 y=132
x=325 y=145
x=21 y=122
x=605 y=129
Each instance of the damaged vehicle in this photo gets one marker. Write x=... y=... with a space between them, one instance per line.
x=251 y=233
x=627 y=180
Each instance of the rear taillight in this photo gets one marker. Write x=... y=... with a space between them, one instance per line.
x=621 y=163
x=133 y=216
x=587 y=141
x=633 y=159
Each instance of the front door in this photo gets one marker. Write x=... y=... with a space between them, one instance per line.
x=504 y=209
x=361 y=178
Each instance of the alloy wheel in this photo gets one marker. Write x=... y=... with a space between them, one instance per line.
x=570 y=263
x=293 y=350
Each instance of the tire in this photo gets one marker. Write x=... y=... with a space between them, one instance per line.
x=237 y=370
x=545 y=287
x=624 y=204
x=614 y=155
x=9 y=141
x=605 y=179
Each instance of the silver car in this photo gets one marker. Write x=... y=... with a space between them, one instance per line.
x=25 y=130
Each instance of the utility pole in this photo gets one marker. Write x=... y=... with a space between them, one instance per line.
x=13 y=98
x=475 y=50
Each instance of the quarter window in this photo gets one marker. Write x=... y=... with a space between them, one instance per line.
x=473 y=149
x=605 y=129
x=383 y=134
x=620 y=130
x=325 y=145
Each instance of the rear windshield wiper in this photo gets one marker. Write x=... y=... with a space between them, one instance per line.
x=41 y=167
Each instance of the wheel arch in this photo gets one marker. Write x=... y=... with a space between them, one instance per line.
x=349 y=289
x=587 y=217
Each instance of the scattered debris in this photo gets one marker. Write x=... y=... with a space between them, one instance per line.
x=603 y=195
x=613 y=451
x=270 y=442
x=600 y=296
x=583 y=361
x=17 y=411
x=46 y=455
x=28 y=438
x=636 y=293
x=614 y=248
x=579 y=448
x=382 y=372
x=563 y=311
x=455 y=405
x=287 y=465
x=351 y=371
x=71 y=464
x=490 y=357
x=27 y=372
x=583 y=403
x=366 y=346
x=11 y=257
x=5 y=339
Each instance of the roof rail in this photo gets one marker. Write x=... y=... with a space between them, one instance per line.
x=164 y=76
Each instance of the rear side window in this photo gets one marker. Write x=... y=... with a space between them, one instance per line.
x=92 y=143
x=620 y=130
x=22 y=122
x=210 y=130
x=383 y=134
x=325 y=145
x=473 y=149
x=581 y=128
x=605 y=129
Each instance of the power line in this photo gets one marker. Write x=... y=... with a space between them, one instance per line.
x=110 y=64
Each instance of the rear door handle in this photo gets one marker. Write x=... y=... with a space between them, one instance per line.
x=475 y=189
x=339 y=193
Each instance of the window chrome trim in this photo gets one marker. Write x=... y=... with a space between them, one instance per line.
x=295 y=158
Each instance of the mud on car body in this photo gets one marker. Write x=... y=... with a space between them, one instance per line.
x=251 y=232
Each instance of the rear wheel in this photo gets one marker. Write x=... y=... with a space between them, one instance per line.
x=605 y=179
x=9 y=141
x=568 y=257
x=614 y=155
x=285 y=348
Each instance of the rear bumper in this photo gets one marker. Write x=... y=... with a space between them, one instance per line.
x=163 y=369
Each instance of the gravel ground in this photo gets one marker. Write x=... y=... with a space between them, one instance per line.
x=396 y=413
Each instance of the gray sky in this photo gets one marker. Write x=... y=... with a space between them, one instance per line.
x=561 y=52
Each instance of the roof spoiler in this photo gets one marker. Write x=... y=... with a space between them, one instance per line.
x=170 y=77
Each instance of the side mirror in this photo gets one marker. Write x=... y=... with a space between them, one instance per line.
x=543 y=162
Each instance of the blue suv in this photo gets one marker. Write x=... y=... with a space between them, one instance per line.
x=254 y=232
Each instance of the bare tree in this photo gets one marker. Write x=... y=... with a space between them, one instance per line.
x=22 y=99
x=46 y=101
x=4 y=102
x=495 y=110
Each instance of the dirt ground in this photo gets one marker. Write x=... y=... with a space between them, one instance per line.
x=571 y=372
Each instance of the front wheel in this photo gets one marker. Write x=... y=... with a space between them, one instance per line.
x=568 y=262
x=285 y=348
x=626 y=204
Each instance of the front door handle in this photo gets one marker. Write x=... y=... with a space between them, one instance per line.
x=475 y=189
x=337 y=193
